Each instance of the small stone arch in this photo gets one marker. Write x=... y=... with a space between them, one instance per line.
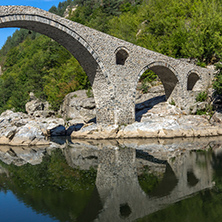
x=166 y=73
x=121 y=56
x=192 y=79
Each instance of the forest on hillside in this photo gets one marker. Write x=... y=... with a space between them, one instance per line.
x=32 y=62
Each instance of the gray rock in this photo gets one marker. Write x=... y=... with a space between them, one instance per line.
x=198 y=106
x=216 y=118
x=38 y=108
x=157 y=89
x=19 y=128
x=78 y=107
x=26 y=134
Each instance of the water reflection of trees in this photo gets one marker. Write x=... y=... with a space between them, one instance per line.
x=129 y=183
x=52 y=187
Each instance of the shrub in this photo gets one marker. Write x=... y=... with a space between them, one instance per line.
x=172 y=102
x=89 y=93
x=217 y=84
x=201 y=97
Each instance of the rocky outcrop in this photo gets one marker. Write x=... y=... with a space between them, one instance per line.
x=154 y=127
x=78 y=108
x=38 y=108
x=69 y=9
x=162 y=121
x=155 y=118
x=20 y=129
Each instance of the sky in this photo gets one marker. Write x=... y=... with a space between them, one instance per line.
x=43 y=4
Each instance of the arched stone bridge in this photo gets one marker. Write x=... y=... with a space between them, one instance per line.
x=113 y=66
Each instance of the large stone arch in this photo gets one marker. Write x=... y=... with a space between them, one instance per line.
x=63 y=31
x=166 y=73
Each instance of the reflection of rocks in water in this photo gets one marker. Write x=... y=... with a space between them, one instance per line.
x=81 y=155
x=4 y=171
x=20 y=156
x=126 y=167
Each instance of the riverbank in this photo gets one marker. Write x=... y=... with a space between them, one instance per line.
x=155 y=127
x=155 y=118
x=20 y=129
x=83 y=150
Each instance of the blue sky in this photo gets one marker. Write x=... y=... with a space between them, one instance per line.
x=43 y=4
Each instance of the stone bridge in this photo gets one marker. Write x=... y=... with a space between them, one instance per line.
x=113 y=66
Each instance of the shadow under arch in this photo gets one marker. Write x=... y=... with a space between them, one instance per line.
x=166 y=73
x=121 y=55
x=192 y=79
x=63 y=31
x=169 y=180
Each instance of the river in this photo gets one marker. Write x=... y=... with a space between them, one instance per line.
x=110 y=180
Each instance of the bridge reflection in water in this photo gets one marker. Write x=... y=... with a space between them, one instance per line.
x=180 y=169
x=121 y=197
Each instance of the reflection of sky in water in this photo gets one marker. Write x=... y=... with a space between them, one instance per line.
x=12 y=210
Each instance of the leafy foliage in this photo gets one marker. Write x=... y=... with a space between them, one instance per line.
x=218 y=79
x=52 y=187
x=41 y=66
x=61 y=7
x=147 y=77
x=172 y=102
x=201 y=97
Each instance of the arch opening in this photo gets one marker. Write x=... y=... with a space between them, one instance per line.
x=162 y=80
x=121 y=57
x=125 y=210
x=192 y=80
x=62 y=32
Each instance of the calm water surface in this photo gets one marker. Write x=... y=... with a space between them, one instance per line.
x=113 y=181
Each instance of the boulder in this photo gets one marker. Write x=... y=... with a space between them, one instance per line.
x=157 y=89
x=38 y=108
x=160 y=109
x=52 y=127
x=216 y=118
x=78 y=108
x=20 y=129
x=28 y=133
